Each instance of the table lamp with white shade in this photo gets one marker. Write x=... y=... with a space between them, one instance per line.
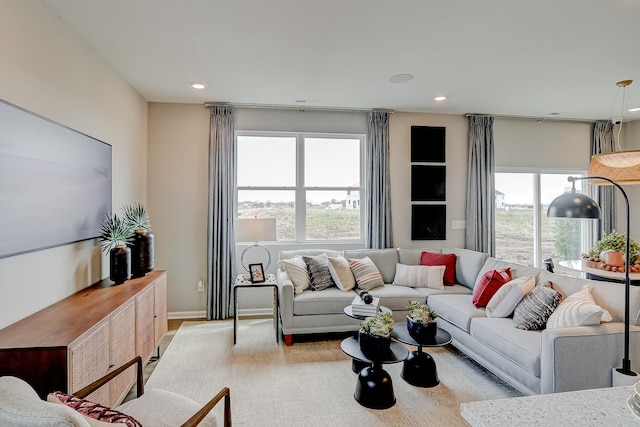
x=255 y=230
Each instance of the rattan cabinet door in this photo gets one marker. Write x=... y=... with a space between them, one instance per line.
x=122 y=348
x=90 y=361
x=160 y=306
x=145 y=325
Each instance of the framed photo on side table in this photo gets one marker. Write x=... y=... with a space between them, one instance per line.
x=257 y=273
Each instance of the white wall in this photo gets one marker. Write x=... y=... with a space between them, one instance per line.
x=47 y=70
x=630 y=140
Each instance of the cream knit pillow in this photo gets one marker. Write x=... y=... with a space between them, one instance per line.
x=578 y=309
x=296 y=269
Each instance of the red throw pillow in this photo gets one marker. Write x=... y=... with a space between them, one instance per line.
x=489 y=284
x=448 y=260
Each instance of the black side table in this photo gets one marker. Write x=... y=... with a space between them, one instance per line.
x=374 y=388
x=242 y=283
x=419 y=368
x=357 y=365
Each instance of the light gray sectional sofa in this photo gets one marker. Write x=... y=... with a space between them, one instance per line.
x=534 y=362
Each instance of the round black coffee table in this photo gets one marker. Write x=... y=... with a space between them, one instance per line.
x=374 y=388
x=419 y=368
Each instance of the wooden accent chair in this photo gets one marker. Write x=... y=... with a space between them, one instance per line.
x=21 y=406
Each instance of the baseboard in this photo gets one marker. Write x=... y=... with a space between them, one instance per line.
x=247 y=312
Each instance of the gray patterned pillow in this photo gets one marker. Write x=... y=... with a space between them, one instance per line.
x=534 y=310
x=319 y=272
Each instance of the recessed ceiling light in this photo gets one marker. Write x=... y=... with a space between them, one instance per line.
x=401 y=78
x=633 y=110
x=198 y=85
x=440 y=98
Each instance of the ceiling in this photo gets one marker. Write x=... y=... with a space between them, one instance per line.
x=544 y=59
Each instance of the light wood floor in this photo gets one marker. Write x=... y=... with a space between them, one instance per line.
x=174 y=325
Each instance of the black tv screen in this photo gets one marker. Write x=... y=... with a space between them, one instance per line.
x=55 y=183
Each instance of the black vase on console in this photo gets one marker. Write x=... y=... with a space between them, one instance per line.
x=142 y=252
x=120 y=264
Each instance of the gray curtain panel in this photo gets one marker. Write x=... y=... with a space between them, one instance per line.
x=480 y=215
x=378 y=233
x=221 y=256
x=602 y=142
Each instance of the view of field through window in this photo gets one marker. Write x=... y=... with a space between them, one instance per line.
x=314 y=192
x=560 y=238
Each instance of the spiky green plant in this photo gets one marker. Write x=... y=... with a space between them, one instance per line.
x=136 y=216
x=114 y=231
x=381 y=324
x=421 y=312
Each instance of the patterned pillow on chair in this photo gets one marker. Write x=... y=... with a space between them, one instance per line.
x=94 y=413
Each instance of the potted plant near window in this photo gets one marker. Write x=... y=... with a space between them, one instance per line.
x=114 y=236
x=610 y=251
x=421 y=322
x=374 y=336
x=142 y=245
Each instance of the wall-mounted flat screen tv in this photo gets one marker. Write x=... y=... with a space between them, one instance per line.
x=55 y=183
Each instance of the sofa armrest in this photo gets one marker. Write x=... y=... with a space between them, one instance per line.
x=285 y=291
x=582 y=357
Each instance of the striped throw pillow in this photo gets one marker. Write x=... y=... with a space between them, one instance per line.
x=534 y=310
x=366 y=273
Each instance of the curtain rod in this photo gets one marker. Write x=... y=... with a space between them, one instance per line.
x=298 y=107
x=538 y=119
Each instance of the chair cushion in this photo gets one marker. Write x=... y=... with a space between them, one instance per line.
x=162 y=408
x=448 y=260
x=95 y=414
x=20 y=406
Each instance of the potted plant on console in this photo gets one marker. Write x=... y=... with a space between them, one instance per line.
x=114 y=236
x=142 y=246
x=421 y=322
x=608 y=253
x=374 y=336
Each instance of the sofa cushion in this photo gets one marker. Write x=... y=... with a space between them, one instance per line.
x=486 y=288
x=503 y=302
x=329 y=301
x=578 y=309
x=319 y=274
x=412 y=256
x=296 y=269
x=608 y=295
x=534 y=310
x=366 y=273
x=517 y=270
x=341 y=273
x=20 y=406
x=446 y=290
x=396 y=297
x=419 y=276
x=468 y=265
x=448 y=260
x=384 y=259
x=456 y=309
x=521 y=347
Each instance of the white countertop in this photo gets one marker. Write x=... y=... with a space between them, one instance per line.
x=599 y=407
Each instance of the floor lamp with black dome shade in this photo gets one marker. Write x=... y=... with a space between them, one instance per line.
x=577 y=205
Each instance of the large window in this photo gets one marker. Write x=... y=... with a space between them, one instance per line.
x=524 y=233
x=309 y=182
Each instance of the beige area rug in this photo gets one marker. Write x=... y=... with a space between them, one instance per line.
x=310 y=383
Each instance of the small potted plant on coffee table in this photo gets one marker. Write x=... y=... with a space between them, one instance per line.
x=421 y=322
x=374 y=336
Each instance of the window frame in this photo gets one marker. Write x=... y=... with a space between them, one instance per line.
x=300 y=188
x=586 y=232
